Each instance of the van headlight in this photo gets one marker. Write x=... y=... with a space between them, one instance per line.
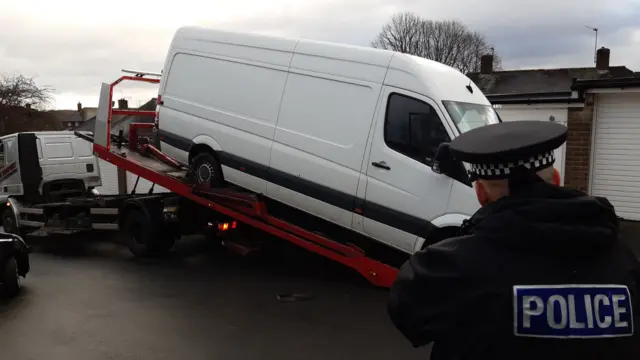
x=95 y=192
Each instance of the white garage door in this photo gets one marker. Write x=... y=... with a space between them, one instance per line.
x=109 y=177
x=143 y=185
x=559 y=114
x=616 y=154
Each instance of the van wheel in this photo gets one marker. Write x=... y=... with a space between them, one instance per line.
x=10 y=278
x=204 y=169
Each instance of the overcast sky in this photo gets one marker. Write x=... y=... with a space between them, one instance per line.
x=73 y=46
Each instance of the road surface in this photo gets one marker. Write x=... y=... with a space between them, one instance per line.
x=97 y=302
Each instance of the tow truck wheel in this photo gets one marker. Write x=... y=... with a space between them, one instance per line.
x=10 y=278
x=163 y=244
x=137 y=229
x=142 y=240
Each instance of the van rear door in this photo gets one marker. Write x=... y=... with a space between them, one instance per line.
x=403 y=193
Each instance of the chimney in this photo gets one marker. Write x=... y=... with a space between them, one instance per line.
x=602 y=59
x=123 y=104
x=486 y=64
x=27 y=106
x=79 y=106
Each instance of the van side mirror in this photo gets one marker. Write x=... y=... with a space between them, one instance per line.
x=443 y=161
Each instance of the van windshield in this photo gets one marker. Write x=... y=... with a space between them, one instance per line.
x=468 y=116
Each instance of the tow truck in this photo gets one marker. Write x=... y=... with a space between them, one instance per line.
x=153 y=222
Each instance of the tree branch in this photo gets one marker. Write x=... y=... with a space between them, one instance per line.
x=450 y=42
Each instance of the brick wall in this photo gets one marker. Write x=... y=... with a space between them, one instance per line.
x=579 y=122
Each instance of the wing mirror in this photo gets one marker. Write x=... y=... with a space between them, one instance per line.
x=443 y=161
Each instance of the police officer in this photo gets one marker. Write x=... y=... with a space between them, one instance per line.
x=537 y=273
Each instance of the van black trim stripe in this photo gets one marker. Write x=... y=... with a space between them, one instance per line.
x=377 y=212
x=174 y=140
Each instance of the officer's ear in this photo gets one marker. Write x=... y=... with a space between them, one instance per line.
x=481 y=193
x=556 y=177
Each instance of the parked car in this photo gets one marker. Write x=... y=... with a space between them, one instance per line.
x=345 y=134
x=14 y=263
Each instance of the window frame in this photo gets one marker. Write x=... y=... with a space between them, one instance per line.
x=424 y=160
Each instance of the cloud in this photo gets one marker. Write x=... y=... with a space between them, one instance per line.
x=74 y=48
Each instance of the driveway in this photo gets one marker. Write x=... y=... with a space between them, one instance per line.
x=94 y=301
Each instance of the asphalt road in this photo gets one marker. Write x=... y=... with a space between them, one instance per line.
x=92 y=300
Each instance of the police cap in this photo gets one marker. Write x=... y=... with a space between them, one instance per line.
x=498 y=151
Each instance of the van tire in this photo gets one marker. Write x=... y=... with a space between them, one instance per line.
x=205 y=169
x=10 y=278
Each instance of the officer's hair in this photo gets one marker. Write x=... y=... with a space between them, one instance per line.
x=500 y=188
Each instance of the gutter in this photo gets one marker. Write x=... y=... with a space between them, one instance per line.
x=558 y=97
x=618 y=83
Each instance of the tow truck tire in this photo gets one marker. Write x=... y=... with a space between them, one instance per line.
x=10 y=223
x=205 y=169
x=142 y=239
x=10 y=278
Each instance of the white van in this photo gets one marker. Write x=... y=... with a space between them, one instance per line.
x=344 y=133
x=46 y=166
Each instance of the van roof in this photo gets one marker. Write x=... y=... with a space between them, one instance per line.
x=425 y=76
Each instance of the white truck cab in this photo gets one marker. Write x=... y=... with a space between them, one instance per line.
x=346 y=134
x=46 y=166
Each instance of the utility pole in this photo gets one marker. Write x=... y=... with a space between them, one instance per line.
x=595 y=46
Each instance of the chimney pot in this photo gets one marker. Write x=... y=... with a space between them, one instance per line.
x=79 y=106
x=123 y=104
x=602 y=59
x=486 y=64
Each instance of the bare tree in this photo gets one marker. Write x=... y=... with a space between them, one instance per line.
x=19 y=90
x=449 y=42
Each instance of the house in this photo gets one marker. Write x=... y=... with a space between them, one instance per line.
x=24 y=118
x=600 y=106
x=79 y=117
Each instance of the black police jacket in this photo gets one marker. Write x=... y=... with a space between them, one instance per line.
x=537 y=275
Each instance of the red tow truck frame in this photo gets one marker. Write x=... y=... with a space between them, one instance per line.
x=247 y=208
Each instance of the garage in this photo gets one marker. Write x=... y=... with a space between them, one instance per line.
x=557 y=113
x=616 y=152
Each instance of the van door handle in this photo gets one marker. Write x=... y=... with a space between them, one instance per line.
x=381 y=165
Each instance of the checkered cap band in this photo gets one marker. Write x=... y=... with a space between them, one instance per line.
x=500 y=171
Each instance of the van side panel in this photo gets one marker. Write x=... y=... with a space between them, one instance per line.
x=321 y=135
x=233 y=102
